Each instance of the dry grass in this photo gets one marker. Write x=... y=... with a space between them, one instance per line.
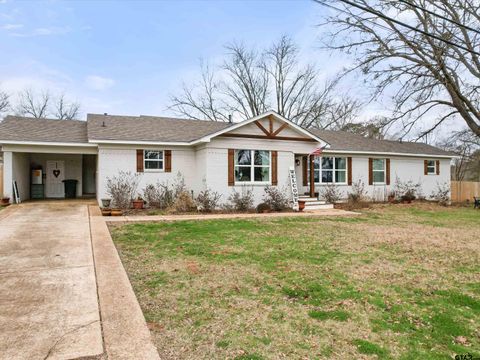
x=400 y=281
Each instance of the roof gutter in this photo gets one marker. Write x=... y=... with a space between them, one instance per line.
x=363 y=152
x=45 y=143
x=93 y=141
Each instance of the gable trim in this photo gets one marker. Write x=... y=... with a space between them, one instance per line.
x=270 y=115
x=252 y=136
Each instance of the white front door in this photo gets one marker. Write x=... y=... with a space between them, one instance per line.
x=54 y=187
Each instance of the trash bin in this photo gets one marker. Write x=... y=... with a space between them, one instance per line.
x=70 y=188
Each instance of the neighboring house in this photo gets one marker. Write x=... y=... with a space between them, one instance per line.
x=221 y=156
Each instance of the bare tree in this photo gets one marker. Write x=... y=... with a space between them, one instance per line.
x=372 y=129
x=466 y=146
x=65 y=110
x=250 y=82
x=35 y=106
x=4 y=101
x=429 y=65
x=44 y=105
x=202 y=101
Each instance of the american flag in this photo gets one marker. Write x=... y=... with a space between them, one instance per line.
x=317 y=152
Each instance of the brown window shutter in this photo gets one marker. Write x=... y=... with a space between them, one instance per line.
x=274 y=168
x=231 y=167
x=139 y=160
x=438 y=167
x=349 y=170
x=370 y=171
x=305 y=170
x=425 y=167
x=168 y=160
x=387 y=169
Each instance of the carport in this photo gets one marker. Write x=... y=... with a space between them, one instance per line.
x=40 y=154
x=40 y=174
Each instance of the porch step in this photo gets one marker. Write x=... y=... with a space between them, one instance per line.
x=308 y=199
x=318 y=207
x=314 y=202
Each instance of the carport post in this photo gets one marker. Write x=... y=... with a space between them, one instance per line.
x=8 y=175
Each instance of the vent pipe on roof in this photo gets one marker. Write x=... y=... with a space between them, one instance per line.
x=103 y=122
x=230 y=118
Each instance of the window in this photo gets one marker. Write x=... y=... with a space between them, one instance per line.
x=431 y=167
x=153 y=160
x=252 y=166
x=333 y=169
x=378 y=171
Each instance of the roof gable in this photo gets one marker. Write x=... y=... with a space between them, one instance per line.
x=269 y=125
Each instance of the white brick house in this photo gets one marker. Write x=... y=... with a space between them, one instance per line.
x=222 y=156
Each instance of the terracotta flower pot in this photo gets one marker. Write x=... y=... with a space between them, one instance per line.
x=137 y=204
x=117 y=212
x=301 y=205
x=5 y=201
x=106 y=212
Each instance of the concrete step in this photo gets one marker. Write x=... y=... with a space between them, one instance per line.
x=307 y=199
x=318 y=207
x=315 y=202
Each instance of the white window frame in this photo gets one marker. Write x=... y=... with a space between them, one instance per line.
x=384 y=171
x=434 y=168
x=145 y=160
x=252 y=167
x=334 y=169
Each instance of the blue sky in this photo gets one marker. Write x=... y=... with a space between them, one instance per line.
x=127 y=57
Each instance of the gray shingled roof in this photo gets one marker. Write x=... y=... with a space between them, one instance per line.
x=346 y=141
x=17 y=128
x=164 y=129
x=149 y=128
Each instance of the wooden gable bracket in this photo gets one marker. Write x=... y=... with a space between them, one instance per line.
x=270 y=133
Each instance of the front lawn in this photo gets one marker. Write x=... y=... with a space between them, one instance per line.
x=398 y=282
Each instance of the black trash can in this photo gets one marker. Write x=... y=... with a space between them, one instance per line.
x=70 y=188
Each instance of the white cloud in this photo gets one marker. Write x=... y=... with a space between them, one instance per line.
x=96 y=82
x=43 y=31
x=12 y=26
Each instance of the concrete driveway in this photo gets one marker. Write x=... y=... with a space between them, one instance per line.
x=48 y=294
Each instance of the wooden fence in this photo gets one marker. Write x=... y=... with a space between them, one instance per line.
x=465 y=190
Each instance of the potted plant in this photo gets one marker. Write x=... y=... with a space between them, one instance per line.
x=391 y=197
x=138 y=203
x=106 y=203
x=5 y=201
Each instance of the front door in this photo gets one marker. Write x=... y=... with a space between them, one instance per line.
x=54 y=187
